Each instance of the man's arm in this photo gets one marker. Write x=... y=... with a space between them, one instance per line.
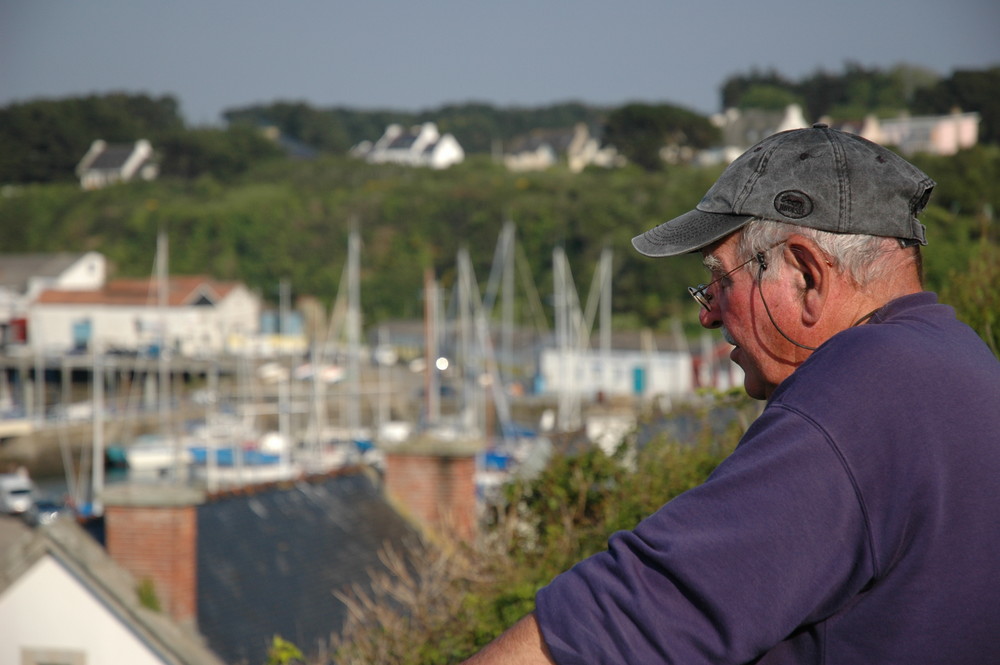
x=521 y=643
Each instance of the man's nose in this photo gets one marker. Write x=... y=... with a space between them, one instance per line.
x=709 y=319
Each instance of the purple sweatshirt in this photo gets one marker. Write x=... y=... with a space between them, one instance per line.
x=857 y=522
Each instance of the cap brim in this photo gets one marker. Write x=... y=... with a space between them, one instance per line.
x=687 y=233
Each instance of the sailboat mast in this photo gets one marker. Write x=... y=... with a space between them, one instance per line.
x=162 y=294
x=97 y=457
x=354 y=330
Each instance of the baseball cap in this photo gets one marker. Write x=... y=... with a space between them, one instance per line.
x=817 y=177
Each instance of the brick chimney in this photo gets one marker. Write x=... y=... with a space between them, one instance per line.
x=434 y=483
x=152 y=532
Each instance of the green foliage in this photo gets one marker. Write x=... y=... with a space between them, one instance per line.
x=966 y=181
x=299 y=121
x=858 y=91
x=640 y=131
x=570 y=509
x=43 y=141
x=147 y=595
x=459 y=599
x=283 y=652
x=477 y=126
x=962 y=257
x=290 y=220
x=768 y=97
x=222 y=154
x=975 y=294
x=969 y=91
x=737 y=86
x=234 y=210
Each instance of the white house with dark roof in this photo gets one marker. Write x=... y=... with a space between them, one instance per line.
x=267 y=560
x=24 y=276
x=106 y=164
x=64 y=601
x=422 y=145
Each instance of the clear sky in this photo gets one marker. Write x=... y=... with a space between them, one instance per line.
x=415 y=55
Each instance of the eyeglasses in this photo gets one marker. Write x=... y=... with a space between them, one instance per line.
x=704 y=298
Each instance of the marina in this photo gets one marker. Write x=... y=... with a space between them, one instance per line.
x=217 y=410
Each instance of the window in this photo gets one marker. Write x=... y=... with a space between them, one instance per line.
x=52 y=657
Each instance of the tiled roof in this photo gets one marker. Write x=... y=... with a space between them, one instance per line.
x=181 y=291
x=270 y=562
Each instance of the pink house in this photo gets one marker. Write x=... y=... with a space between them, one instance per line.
x=936 y=135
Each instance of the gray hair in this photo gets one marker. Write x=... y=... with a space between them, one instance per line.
x=864 y=259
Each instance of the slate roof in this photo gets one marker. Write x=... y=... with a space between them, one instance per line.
x=403 y=142
x=22 y=546
x=269 y=562
x=17 y=269
x=112 y=158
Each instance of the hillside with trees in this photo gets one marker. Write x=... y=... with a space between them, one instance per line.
x=860 y=91
x=289 y=220
x=43 y=140
x=237 y=207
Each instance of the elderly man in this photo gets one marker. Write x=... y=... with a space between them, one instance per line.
x=858 y=520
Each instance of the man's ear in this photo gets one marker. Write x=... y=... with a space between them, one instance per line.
x=813 y=275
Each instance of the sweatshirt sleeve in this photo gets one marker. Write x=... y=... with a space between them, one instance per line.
x=777 y=537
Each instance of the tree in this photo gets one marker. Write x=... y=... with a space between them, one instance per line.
x=737 y=86
x=216 y=152
x=966 y=90
x=768 y=97
x=453 y=600
x=313 y=127
x=974 y=292
x=641 y=131
x=850 y=95
x=43 y=141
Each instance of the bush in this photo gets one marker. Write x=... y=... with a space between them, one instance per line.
x=451 y=599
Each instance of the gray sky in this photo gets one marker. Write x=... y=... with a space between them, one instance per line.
x=413 y=55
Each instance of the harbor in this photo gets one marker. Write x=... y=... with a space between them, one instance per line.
x=180 y=380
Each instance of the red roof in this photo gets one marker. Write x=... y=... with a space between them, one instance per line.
x=181 y=291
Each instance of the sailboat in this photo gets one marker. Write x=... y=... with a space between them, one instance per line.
x=223 y=450
x=163 y=454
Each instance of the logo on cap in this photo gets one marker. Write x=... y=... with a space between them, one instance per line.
x=793 y=204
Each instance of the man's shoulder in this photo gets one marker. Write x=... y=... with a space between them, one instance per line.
x=914 y=345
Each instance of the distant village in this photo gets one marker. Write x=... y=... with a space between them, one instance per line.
x=575 y=147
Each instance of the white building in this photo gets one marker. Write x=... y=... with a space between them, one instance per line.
x=936 y=135
x=106 y=164
x=197 y=317
x=543 y=149
x=422 y=145
x=24 y=276
x=634 y=373
x=742 y=129
x=63 y=600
